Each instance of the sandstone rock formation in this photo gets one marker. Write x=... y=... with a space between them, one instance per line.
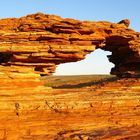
x=33 y=45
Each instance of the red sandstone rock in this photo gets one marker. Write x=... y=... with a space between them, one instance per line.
x=34 y=45
x=108 y=110
x=28 y=44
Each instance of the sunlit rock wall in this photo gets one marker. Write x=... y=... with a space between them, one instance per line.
x=35 y=44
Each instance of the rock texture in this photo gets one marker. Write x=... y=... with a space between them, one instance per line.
x=35 y=44
x=105 y=111
x=32 y=46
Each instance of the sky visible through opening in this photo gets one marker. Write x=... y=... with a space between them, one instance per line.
x=94 y=10
x=95 y=63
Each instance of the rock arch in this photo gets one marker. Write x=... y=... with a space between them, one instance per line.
x=38 y=42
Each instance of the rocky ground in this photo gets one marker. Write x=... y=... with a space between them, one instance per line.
x=106 y=108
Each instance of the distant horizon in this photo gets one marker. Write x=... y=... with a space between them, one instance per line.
x=83 y=75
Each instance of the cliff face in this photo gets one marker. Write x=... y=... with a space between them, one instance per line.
x=33 y=45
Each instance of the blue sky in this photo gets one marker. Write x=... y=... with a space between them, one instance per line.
x=109 y=10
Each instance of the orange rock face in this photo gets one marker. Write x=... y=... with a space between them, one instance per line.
x=35 y=44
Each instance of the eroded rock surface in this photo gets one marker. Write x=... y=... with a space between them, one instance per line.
x=108 y=110
x=32 y=46
x=35 y=44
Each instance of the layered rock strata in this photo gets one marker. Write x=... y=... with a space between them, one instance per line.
x=105 y=111
x=33 y=45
